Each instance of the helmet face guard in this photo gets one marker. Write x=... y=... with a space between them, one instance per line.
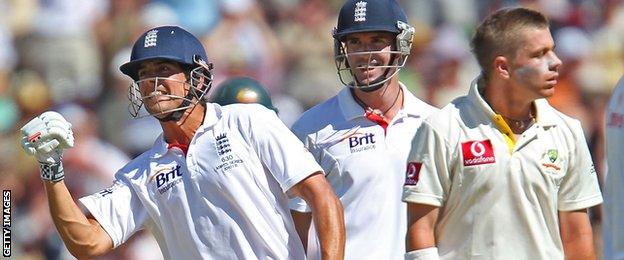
x=174 y=44
x=197 y=87
x=403 y=43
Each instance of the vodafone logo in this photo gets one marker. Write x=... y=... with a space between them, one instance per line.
x=478 y=152
x=412 y=174
x=477 y=149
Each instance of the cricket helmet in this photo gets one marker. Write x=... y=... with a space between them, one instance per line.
x=241 y=90
x=358 y=16
x=170 y=43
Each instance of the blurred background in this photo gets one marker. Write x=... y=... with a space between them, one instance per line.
x=64 y=55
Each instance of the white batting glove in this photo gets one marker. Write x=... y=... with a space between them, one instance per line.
x=45 y=137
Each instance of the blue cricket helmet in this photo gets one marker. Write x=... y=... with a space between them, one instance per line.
x=165 y=42
x=175 y=44
x=364 y=16
x=369 y=16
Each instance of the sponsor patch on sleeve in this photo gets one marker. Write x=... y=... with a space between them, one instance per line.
x=412 y=173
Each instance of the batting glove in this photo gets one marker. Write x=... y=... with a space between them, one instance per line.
x=45 y=137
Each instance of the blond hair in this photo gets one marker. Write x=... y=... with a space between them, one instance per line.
x=500 y=34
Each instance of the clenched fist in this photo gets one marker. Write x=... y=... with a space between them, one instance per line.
x=45 y=137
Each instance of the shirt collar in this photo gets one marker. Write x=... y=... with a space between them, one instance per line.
x=351 y=109
x=412 y=106
x=545 y=115
x=160 y=147
x=213 y=112
x=348 y=106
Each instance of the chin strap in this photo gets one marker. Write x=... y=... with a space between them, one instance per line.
x=381 y=78
x=176 y=115
x=374 y=87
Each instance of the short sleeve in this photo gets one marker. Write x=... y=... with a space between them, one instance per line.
x=579 y=188
x=427 y=177
x=297 y=203
x=327 y=162
x=332 y=175
x=282 y=153
x=118 y=210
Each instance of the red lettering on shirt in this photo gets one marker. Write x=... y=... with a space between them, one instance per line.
x=478 y=152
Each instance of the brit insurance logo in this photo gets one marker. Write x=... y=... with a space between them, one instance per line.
x=359 y=14
x=151 y=38
x=166 y=177
x=359 y=142
x=478 y=152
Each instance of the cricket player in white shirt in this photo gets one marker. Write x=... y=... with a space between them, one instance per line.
x=215 y=185
x=499 y=173
x=361 y=137
x=613 y=216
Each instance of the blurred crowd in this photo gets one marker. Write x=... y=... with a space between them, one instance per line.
x=64 y=55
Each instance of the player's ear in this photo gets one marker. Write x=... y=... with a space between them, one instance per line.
x=501 y=67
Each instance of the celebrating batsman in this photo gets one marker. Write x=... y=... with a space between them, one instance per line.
x=216 y=183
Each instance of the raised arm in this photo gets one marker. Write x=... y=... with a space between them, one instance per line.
x=84 y=237
x=327 y=214
x=45 y=137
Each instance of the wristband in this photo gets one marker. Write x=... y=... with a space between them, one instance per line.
x=52 y=172
x=430 y=253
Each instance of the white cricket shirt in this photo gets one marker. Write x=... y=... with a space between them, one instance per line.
x=224 y=200
x=613 y=217
x=499 y=197
x=365 y=167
